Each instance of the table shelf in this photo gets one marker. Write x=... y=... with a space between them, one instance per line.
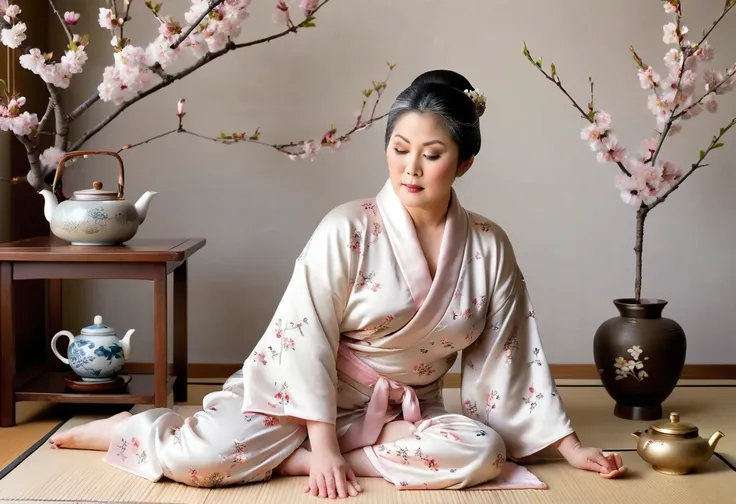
x=51 y=387
x=52 y=260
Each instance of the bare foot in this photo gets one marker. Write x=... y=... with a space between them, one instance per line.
x=297 y=464
x=94 y=435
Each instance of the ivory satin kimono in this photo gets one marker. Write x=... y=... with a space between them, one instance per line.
x=363 y=335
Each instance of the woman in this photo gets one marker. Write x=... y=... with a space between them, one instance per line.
x=347 y=379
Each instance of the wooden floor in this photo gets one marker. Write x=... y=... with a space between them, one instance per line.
x=36 y=420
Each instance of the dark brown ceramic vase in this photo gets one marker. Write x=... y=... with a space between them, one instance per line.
x=639 y=356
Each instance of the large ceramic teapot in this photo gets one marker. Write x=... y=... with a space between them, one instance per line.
x=97 y=354
x=674 y=447
x=94 y=216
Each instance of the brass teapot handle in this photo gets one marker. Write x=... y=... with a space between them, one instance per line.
x=85 y=153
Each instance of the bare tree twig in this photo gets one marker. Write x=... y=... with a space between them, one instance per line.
x=285 y=148
x=555 y=79
x=63 y=22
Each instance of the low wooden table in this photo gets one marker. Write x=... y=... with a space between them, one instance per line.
x=53 y=259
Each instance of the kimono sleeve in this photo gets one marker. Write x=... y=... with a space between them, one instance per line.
x=291 y=371
x=506 y=380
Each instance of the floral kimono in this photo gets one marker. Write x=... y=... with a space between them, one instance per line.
x=362 y=336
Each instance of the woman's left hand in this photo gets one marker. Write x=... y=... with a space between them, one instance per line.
x=593 y=459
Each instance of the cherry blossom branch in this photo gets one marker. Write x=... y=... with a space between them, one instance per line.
x=715 y=143
x=650 y=182
x=686 y=52
x=302 y=148
x=185 y=34
x=554 y=77
x=62 y=124
x=730 y=75
x=46 y=116
x=83 y=106
x=643 y=211
x=171 y=78
x=63 y=22
x=36 y=173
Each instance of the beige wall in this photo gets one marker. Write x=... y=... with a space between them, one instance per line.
x=573 y=236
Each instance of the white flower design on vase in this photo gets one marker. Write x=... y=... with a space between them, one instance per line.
x=631 y=367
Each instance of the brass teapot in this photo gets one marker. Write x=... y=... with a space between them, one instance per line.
x=674 y=447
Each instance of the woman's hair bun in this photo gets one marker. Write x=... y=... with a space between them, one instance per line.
x=456 y=81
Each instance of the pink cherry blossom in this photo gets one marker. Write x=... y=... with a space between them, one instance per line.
x=648 y=78
x=10 y=12
x=311 y=148
x=71 y=17
x=670 y=34
x=673 y=59
x=670 y=172
x=705 y=52
x=669 y=8
x=593 y=134
x=648 y=147
x=105 y=18
x=308 y=5
x=281 y=14
x=611 y=151
x=602 y=119
x=32 y=61
x=23 y=124
x=642 y=186
x=693 y=111
x=160 y=51
x=51 y=157
x=14 y=36
x=72 y=61
x=710 y=103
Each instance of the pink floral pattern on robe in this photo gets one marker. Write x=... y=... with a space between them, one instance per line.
x=362 y=279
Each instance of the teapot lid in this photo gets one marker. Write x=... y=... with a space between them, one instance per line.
x=98 y=328
x=674 y=426
x=95 y=194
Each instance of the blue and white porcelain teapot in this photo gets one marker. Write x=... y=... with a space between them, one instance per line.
x=97 y=354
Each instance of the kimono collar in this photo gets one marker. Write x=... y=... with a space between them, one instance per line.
x=408 y=252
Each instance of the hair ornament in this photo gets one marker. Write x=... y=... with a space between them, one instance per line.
x=478 y=99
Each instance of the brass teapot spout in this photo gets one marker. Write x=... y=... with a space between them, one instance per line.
x=713 y=440
x=674 y=447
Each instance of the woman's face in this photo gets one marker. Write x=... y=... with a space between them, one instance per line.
x=423 y=162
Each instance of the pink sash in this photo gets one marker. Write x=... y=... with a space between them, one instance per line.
x=367 y=431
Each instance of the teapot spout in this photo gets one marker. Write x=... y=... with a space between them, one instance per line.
x=50 y=203
x=713 y=440
x=141 y=206
x=636 y=434
x=125 y=343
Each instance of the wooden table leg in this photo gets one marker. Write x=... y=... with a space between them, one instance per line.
x=53 y=324
x=181 y=321
x=7 y=347
x=160 y=337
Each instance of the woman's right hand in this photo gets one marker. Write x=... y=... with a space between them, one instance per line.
x=330 y=476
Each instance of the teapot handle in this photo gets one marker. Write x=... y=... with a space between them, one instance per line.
x=85 y=153
x=53 y=344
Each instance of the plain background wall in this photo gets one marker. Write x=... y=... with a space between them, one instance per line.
x=572 y=234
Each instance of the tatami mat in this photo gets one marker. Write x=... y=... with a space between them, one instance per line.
x=78 y=476
x=33 y=423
